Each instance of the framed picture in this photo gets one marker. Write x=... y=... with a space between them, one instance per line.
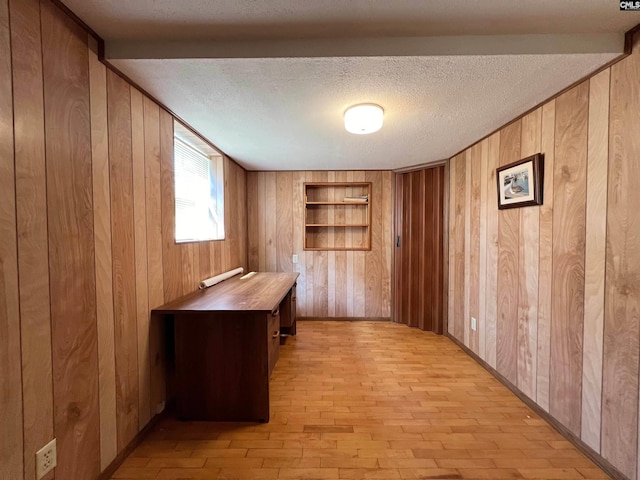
x=520 y=183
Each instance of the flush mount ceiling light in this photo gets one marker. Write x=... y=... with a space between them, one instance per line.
x=363 y=118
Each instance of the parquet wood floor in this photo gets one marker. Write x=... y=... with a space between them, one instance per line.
x=356 y=400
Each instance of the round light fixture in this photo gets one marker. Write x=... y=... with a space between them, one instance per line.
x=363 y=118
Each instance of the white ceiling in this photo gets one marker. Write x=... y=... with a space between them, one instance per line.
x=268 y=82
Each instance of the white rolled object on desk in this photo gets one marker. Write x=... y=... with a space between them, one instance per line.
x=209 y=282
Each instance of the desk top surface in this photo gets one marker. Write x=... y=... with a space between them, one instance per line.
x=261 y=292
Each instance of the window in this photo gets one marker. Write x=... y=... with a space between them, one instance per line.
x=199 y=188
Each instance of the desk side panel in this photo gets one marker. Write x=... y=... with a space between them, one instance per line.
x=222 y=367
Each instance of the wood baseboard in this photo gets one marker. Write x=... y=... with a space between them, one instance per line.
x=137 y=440
x=577 y=442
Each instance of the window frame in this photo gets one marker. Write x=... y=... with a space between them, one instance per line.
x=217 y=173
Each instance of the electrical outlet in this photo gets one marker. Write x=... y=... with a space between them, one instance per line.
x=160 y=407
x=46 y=459
x=473 y=323
x=295 y=258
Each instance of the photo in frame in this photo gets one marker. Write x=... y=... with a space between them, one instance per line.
x=520 y=183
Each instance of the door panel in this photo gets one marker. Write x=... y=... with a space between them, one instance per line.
x=419 y=253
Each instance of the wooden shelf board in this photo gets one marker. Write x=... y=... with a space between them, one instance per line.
x=336 y=225
x=338 y=249
x=337 y=203
x=336 y=184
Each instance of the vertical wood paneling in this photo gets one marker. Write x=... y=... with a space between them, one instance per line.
x=622 y=283
x=232 y=218
x=87 y=221
x=270 y=227
x=466 y=322
x=298 y=238
x=309 y=257
x=31 y=216
x=359 y=262
x=457 y=242
x=71 y=245
x=569 y=208
x=508 y=252
x=374 y=262
x=11 y=432
x=103 y=259
x=154 y=249
x=171 y=258
x=185 y=251
x=124 y=258
x=331 y=255
x=545 y=265
x=140 y=244
x=453 y=236
x=331 y=283
x=341 y=258
x=235 y=183
x=474 y=246
x=570 y=337
x=204 y=257
x=320 y=265
x=284 y=221
x=595 y=252
x=528 y=257
x=262 y=222
x=230 y=232
x=240 y=248
x=252 y=220
x=491 y=307
x=388 y=243
x=482 y=269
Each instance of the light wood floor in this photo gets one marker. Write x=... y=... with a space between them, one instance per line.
x=378 y=400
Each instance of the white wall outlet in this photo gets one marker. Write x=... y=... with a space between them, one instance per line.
x=474 y=323
x=160 y=407
x=46 y=459
x=295 y=258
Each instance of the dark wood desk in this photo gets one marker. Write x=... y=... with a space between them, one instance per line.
x=227 y=342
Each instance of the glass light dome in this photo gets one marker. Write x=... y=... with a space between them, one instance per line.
x=364 y=118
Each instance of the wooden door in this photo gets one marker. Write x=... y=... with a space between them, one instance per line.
x=419 y=251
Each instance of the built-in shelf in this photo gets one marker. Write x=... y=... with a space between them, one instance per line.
x=331 y=222
x=337 y=203
x=337 y=225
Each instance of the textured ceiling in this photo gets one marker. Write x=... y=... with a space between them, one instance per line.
x=286 y=114
x=142 y=19
x=279 y=78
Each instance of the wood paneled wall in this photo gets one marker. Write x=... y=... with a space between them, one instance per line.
x=86 y=247
x=558 y=291
x=331 y=283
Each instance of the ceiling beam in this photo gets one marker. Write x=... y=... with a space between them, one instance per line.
x=548 y=44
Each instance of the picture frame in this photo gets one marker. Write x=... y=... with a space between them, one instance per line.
x=520 y=183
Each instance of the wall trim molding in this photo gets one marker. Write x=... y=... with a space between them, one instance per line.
x=421 y=166
x=108 y=472
x=546 y=416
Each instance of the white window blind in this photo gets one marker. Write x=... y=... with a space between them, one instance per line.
x=199 y=191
